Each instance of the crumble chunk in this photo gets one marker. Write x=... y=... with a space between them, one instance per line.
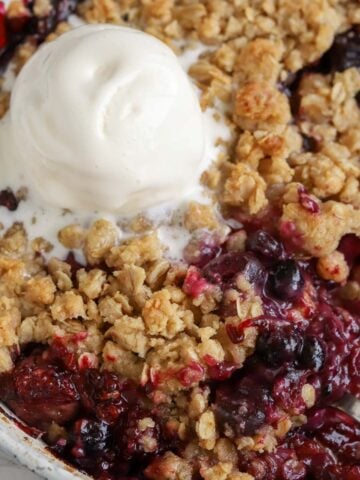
x=23 y=53
x=198 y=216
x=220 y=471
x=39 y=329
x=319 y=233
x=113 y=307
x=68 y=305
x=240 y=476
x=156 y=273
x=351 y=192
x=14 y=242
x=333 y=267
x=40 y=290
x=60 y=273
x=236 y=241
x=117 y=359
x=91 y=283
x=319 y=174
x=42 y=8
x=260 y=106
x=253 y=147
x=129 y=333
x=17 y=8
x=6 y=362
x=61 y=28
x=137 y=251
x=101 y=237
x=327 y=172
x=164 y=317
x=211 y=347
x=174 y=364
x=198 y=401
x=101 y=11
x=169 y=467
x=245 y=187
x=13 y=273
x=308 y=394
x=259 y=60
x=131 y=279
x=10 y=319
x=328 y=104
x=206 y=430
x=72 y=236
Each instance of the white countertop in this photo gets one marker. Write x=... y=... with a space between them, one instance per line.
x=9 y=470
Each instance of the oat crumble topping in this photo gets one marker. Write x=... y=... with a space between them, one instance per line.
x=293 y=161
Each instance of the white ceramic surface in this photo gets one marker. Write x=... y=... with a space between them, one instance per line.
x=8 y=469
x=31 y=453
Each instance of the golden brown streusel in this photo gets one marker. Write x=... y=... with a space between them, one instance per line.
x=333 y=267
x=309 y=395
x=42 y=8
x=240 y=476
x=6 y=362
x=259 y=60
x=206 y=430
x=91 y=283
x=236 y=241
x=152 y=327
x=40 y=290
x=68 y=305
x=328 y=105
x=245 y=187
x=199 y=216
x=72 y=236
x=260 y=106
x=130 y=334
x=60 y=273
x=102 y=236
x=220 y=471
x=137 y=251
x=319 y=233
x=163 y=317
x=17 y=8
x=170 y=467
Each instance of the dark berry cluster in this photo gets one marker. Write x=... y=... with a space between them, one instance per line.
x=98 y=414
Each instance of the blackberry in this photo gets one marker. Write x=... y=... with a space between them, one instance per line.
x=278 y=346
x=265 y=244
x=344 y=52
x=285 y=280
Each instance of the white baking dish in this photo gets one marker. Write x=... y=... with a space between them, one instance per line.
x=31 y=452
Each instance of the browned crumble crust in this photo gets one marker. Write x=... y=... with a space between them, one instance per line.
x=136 y=319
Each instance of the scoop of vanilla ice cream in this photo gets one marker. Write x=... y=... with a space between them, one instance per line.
x=104 y=118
